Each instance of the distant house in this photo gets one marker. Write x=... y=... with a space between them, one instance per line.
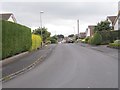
x=90 y=30
x=111 y=19
x=8 y=17
x=117 y=22
x=82 y=34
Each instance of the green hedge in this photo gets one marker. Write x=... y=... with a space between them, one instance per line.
x=0 y=40
x=36 y=41
x=16 y=38
x=109 y=36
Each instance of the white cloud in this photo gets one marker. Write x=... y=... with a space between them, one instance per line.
x=60 y=18
x=60 y=1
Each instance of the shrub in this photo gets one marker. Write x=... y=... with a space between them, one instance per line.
x=96 y=39
x=87 y=39
x=114 y=45
x=90 y=40
x=53 y=40
x=48 y=42
x=16 y=38
x=109 y=36
x=83 y=40
x=117 y=41
x=36 y=42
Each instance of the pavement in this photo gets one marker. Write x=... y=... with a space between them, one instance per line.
x=103 y=49
x=22 y=61
x=71 y=66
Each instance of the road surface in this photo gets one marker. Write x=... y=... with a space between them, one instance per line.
x=71 y=66
x=22 y=62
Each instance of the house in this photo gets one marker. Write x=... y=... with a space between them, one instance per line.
x=90 y=30
x=117 y=22
x=111 y=19
x=82 y=34
x=8 y=17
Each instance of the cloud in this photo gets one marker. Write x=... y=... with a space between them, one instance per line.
x=60 y=16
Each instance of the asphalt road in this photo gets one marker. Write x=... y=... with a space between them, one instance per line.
x=22 y=62
x=71 y=66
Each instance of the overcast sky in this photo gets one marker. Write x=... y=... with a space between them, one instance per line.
x=61 y=17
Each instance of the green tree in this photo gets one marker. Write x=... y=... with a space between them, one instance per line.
x=103 y=26
x=53 y=39
x=45 y=33
x=60 y=36
x=72 y=35
x=96 y=39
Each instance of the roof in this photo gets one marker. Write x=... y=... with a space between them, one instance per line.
x=91 y=27
x=82 y=33
x=116 y=18
x=112 y=18
x=5 y=16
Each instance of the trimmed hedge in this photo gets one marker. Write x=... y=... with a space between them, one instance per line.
x=109 y=36
x=36 y=42
x=0 y=40
x=16 y=38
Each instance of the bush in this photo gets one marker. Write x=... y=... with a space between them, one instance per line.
x=114 y=45
x=87 y=39
x=83 y=40
x=16 y=38
x=96 y=39
x=48 y=42
x=90 y=40
x=109 y=36
x=36 y=42
x=117 y=41
x=53 y=41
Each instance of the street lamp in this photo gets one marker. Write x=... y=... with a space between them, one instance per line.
x=41 y=18
x=41 y=24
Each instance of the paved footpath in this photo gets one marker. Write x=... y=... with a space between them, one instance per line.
x=103 y=49
x=26 y=60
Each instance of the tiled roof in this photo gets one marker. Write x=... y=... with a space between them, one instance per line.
x=112 y=18
x=91 y=27
x=116 y=18
x=5 y=16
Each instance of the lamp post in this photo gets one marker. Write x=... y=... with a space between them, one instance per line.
x=41 y=25
x=78 y=28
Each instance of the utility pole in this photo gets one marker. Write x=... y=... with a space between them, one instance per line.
x=78 y=28
x=74 y=30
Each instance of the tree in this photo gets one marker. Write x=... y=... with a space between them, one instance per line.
x=60 y=36
x=53 y=39
x=45 y=33
x=72 y=35
x=96 y=39
x=103 y=26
